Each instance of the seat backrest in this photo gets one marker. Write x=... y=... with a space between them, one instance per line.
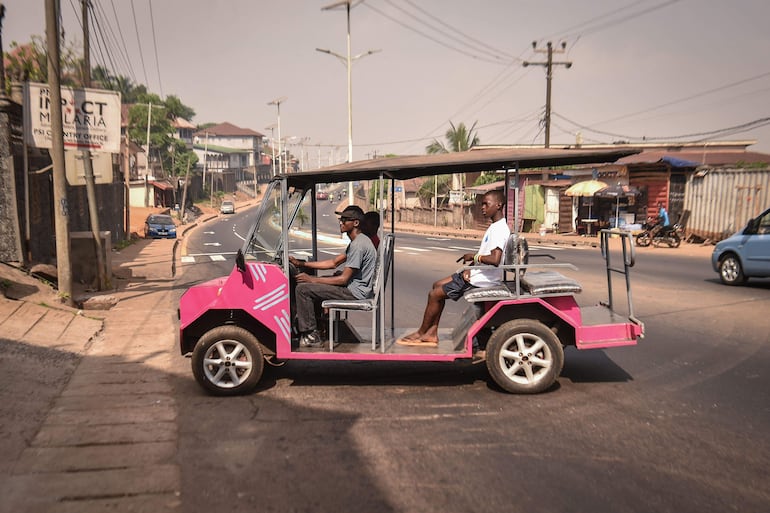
x=382 y=267
x=516 y=252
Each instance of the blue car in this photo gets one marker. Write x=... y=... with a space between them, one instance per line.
x=159 y=226
x=746 y=254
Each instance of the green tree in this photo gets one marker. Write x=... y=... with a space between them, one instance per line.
x=177 y=109
x=458 y=138
x=27 y=62
x=487 y=177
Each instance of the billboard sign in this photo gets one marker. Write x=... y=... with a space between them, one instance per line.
x=91 y=118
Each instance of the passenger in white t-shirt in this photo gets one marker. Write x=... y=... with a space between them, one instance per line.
x=453 y=287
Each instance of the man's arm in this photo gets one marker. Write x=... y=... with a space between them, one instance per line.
x=491 y=259
x=331 y=263
x=340 y=280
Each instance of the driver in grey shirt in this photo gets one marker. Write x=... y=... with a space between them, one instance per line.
x=355 y=281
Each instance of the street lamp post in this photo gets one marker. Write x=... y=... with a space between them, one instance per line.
x=347 y=60
x=277 y=102
x=272 y=144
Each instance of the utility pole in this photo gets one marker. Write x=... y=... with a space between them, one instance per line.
x=61 y=214
x=549 y=64
x=127 y=183
x=102 y=279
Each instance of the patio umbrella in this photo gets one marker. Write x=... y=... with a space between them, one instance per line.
x=586 y=188
x=617 y=191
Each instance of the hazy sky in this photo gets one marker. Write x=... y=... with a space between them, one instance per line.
x=683 y=69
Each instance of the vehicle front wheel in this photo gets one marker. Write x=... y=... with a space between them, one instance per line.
x=524 y=356
x=228 y=361
x=730 y=271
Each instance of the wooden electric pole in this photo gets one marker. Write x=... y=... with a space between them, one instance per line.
x=548 y=64
x=102 y=279
x=61 y=214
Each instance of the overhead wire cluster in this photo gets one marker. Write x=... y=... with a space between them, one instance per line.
x=530 y=124
x=108 y=42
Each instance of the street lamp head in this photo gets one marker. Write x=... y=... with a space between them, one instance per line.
x=348 y=4
x=525 y=64
x=278 y=101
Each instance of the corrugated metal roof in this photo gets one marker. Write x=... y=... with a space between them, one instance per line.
x=701 y=158
x=403 y=168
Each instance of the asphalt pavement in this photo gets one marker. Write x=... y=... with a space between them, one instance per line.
x=88 y=411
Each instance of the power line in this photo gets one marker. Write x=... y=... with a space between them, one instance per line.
x=757 y=123
x=139 y=42
x=118 y=46
x=688 y=98
x=618 y=21
x=477 y=45
x=437 y=41
x=155 y=45
x=123 y=40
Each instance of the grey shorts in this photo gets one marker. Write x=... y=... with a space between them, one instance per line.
x=456 y=288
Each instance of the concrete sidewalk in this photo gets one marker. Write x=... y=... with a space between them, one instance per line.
x=107 y=437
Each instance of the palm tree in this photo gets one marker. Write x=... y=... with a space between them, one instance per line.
x=459 y=138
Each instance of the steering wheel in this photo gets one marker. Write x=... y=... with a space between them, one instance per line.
x=293 y=271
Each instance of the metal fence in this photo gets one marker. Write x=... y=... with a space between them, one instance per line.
x=722 y=200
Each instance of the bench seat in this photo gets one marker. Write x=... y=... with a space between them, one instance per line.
x=533 y=283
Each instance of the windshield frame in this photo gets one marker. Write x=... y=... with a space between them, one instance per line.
x=276 y=248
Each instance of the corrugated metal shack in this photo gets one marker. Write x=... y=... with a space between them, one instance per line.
x=722 y=199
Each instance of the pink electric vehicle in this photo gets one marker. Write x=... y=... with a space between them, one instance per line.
x=231 y=325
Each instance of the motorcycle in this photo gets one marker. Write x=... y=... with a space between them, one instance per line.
x=656 y=234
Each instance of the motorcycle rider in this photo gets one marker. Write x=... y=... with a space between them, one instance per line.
x=662 y=222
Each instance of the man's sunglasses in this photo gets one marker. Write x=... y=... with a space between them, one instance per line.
x=346 y=219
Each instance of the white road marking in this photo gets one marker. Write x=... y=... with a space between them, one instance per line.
x=217 y=258
x=188 y=259
x=414 y=249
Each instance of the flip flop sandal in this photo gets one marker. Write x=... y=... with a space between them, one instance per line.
x=416 y=342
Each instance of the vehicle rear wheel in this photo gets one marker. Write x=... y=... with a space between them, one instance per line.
x=228 y=361
x=643 y=239
x=524 y=356
x=730 y=271
x=675 y=240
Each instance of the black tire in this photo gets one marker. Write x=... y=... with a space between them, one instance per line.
x=228 y=361
x=730 y=270
x=524 y=356
x=643 y=239
x=674 y=241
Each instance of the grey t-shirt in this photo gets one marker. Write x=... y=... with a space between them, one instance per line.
x=361 y=257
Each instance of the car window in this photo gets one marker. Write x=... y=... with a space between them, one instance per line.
x=763 y=227
x=160 y=219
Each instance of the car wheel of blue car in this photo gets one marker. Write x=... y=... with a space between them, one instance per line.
x=730 y=270
x=228 y=360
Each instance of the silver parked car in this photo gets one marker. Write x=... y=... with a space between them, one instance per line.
x=227 y=207
x=746 y=254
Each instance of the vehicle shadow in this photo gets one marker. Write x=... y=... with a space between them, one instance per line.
x=592 y=367
x=364 y=374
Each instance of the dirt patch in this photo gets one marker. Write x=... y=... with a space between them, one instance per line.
x=15 y=283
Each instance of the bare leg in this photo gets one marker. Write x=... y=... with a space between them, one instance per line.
x=428 y=331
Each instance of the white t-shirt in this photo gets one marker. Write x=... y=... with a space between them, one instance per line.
x=496 y=236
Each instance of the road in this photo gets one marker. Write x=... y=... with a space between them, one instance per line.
x=678 y=423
